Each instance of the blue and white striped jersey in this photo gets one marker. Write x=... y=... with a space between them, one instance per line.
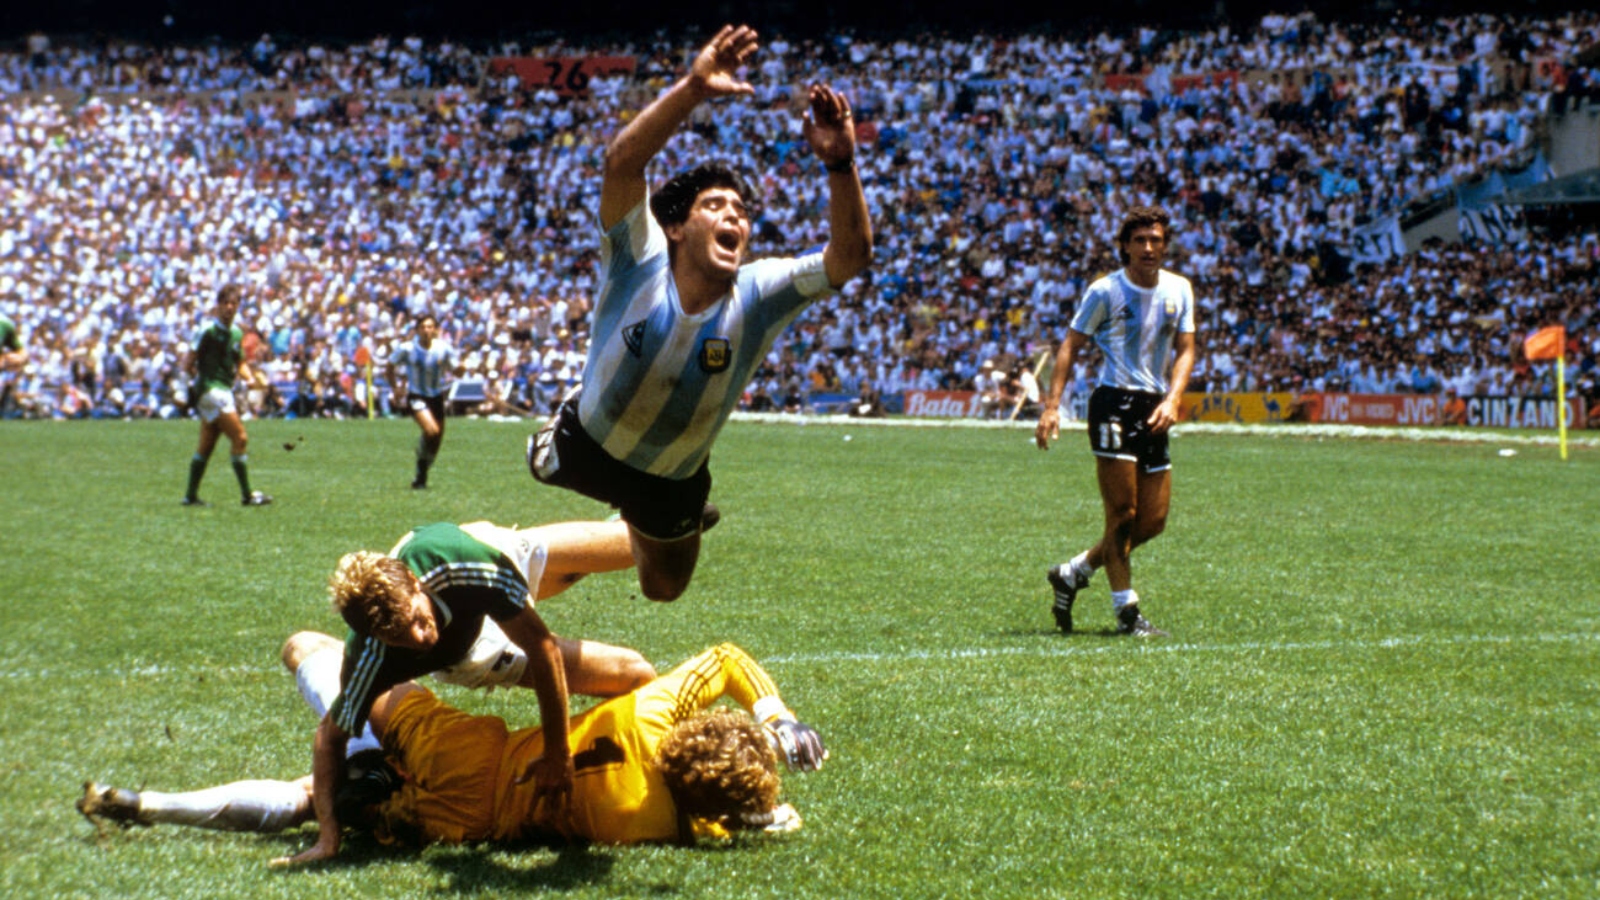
x=1134 y=327
x=659 y=384
x=427 y=368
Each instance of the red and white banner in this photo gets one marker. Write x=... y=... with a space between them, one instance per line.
x=1428 y=409
x=1376 y=409
x=946 y=404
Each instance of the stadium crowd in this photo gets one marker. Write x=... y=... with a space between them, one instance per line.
x=349 y=189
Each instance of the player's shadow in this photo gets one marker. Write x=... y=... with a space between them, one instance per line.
x=492 y=871
x=1050 y=631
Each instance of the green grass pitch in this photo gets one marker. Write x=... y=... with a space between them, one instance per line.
x=1382 y=679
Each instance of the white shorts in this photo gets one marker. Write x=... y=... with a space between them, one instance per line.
x=527 y=554
x=494 y=661
x=215 y=402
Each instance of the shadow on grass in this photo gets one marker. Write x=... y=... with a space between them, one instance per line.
x=487 y=868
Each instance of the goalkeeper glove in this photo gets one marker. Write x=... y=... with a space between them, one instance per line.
x=798 y=744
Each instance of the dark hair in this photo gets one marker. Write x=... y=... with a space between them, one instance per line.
x=671 y=204
x=1142 y=217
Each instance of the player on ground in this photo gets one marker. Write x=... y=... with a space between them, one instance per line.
x=428 y=363
x=681 y=321
x=1137 y=316
x=654 y=765
x=422 y=607
x=215 y=361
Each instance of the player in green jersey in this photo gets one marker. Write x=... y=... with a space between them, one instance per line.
x=216 y=359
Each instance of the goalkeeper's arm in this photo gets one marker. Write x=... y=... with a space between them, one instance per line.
x=726 y=670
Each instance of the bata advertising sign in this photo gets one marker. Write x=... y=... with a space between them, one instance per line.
x=568 y=75
x=946 y=404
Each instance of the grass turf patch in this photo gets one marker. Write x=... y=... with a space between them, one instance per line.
x=1380 y=680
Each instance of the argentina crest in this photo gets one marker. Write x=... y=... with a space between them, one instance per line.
x=715 y=355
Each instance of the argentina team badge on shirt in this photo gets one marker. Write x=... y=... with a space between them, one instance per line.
x=715 y=355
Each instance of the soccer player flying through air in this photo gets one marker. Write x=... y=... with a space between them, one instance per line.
x=681 y=320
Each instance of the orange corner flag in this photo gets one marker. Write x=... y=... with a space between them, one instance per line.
x=1546 y=343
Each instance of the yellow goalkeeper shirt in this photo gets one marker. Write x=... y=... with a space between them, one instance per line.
x=461 y=769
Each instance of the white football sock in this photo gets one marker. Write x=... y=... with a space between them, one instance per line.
x=1081 y=564
x=1119 y=599
x=318 y=680
x=263 y=806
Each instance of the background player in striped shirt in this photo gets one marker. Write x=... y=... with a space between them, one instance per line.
x=681 y=320
x=214 y=362
x=1141 y=317
x=428 y=363
x=654 y=765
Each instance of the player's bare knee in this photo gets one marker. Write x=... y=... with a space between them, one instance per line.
x=638 y=672
x=302 y=644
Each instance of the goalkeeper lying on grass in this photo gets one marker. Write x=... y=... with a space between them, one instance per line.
x=653 y=765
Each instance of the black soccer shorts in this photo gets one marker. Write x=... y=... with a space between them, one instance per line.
x=662 y=508
x=1119 y=428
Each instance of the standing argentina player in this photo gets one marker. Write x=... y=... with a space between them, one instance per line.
x=1137 y=316
x=429 y=362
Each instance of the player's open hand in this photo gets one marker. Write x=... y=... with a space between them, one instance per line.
x=1049 y=427
x=716 y=67
x=552 y=775
x=828 y=126
x=318 y=852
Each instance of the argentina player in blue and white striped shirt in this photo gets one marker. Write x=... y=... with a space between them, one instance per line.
x=681 y=320
x=428 y=363
x=1141 y=317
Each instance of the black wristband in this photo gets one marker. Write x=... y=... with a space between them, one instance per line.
x=843 y=165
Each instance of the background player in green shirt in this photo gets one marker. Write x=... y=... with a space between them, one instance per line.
x=216 y=359
x=13 y=356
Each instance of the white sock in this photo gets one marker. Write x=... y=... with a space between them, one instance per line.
x=318 y=680
x=1120 y=599
x=1081 y=564
x=263 y=806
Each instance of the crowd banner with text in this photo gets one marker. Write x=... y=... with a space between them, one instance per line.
x=1524 y=412
x=567 y=75
x=1372 y=409
x=1236 y=406
x=1427 y=409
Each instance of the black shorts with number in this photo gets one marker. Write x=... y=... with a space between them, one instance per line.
x=566 y=456
x=417 y=403
x=1119 y=428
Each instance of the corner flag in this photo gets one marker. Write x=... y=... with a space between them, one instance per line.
x=1551 y=343
x=1546 y=343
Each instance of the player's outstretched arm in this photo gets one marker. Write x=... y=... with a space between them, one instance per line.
x=829 y=128
x=327 y=774
x=552 y=773
x=714 y=73
x=726 y=670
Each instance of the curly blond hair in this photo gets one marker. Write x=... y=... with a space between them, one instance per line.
x=718 y=764
x=369 y=590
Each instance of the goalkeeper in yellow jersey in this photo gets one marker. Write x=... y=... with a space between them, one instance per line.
x=657 y=764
